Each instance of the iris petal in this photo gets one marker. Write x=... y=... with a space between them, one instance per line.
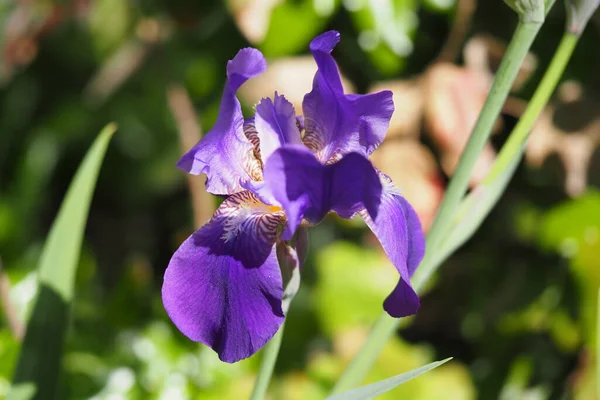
x=223 y=286
x=399 y=231
x=335 y=123
x=276 y=125
x=225 y=154
x=305 y=188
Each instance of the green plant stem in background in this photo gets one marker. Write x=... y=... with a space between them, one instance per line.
x=385 y=326
x=510 y=155
x=503 y=81
x=520 y=133
x=480 y=201
x=267 y=365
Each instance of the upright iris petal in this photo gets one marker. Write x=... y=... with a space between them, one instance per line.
x=225 y=154
x=336 y=123
x=223 y=286
x=276 y=125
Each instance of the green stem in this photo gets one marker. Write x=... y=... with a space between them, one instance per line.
x=267 y=366
x=507 y=72
x=385 y=327
x=515 y=142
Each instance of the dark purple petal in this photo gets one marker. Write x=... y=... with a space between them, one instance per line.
x=276 y=125
x=335 y=123
x=399 y=231
x=225 y=154
x=305 y=188
x=223 y=286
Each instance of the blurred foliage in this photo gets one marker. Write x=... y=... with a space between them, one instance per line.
x=515 y=306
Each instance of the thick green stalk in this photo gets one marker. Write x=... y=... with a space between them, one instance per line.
x=537 y=103
x=512 y=151
x=267 y=365
x=385 y=327
x=505 y=77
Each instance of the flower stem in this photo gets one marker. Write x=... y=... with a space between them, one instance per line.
x=507 y=72
x=267 y=365
x=385 y=326
x=537 y=103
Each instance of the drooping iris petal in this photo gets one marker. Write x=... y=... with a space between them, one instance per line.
x=223 y=286
x=276 y=125
x=225 y=155
x=399 y=231
x=335 y=123
x=305 y=188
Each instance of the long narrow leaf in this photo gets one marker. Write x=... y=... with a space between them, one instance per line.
x=378 y=388
x=38 y=366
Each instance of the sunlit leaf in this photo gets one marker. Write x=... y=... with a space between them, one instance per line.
x=378 y=388
x=39 y=361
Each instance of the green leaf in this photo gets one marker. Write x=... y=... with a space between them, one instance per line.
x=39 y=361
x=381 y=387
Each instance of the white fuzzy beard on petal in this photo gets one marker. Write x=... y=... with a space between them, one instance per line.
x=243 y=209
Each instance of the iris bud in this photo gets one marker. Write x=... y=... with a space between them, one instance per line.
x=579 y=13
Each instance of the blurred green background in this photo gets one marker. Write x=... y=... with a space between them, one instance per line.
x=515 y=307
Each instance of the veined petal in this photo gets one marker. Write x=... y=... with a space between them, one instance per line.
x=374 y=112
x=305 y=188
x=335 y=123
x=223 y=286
x=225 y=154
x=399 y=231
x=276 y=125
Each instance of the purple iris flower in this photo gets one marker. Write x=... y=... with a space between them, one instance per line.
x=224 y=287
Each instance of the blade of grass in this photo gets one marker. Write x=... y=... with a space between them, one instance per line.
x=378 y=388
x=38 y=366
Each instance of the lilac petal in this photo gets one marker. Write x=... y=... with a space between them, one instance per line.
x=399 y=231
x=223 y=286
x=225 y=154
x=276 y=125
x=335 y=123
x=305 y=188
